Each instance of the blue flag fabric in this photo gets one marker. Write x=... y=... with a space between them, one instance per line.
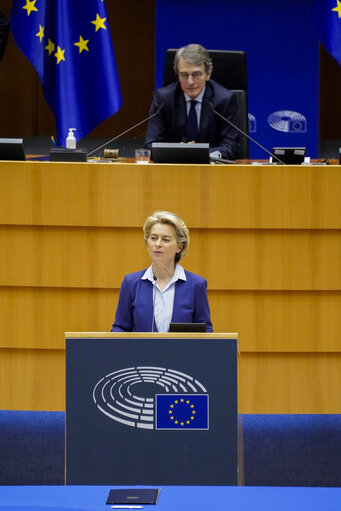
x=327 y=19
x=69 y=44
x=182 y=411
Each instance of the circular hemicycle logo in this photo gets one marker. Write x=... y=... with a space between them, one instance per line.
x=288 y=121
x=152 y=398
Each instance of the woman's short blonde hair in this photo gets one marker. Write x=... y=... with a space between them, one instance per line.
x=181 y=230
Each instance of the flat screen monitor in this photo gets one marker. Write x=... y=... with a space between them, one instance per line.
x=187 y=327
x=12 y=149
x=289 y=155
x=173 y=152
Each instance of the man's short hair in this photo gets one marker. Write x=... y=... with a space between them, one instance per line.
x=193 y=54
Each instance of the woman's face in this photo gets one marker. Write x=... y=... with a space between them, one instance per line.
x=162 y=245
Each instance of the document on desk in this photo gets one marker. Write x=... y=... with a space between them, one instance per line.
x=133 y=496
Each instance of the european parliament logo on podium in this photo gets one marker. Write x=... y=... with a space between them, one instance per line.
x=145 y=411
x=131 y=396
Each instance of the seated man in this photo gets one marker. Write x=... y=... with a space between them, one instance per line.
x=183 y=120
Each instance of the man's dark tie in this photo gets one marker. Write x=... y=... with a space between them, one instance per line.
x=192 y=123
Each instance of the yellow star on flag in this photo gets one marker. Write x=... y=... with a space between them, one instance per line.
x=338 y=8
x=99 y=22
x=30 y=6
x=50 y=47
x=82 y=44
x=40 y=34
x=59 y=54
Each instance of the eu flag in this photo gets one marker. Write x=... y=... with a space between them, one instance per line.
x=327 y=19
x=181 y=411
x=69 y=44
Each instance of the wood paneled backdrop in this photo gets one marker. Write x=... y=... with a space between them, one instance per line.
x=266 y=238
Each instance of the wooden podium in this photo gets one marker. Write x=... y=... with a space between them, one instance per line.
x=151 y=409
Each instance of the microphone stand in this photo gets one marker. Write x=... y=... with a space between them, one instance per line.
x=245 y=134
x=154 y=293
x=127 y=131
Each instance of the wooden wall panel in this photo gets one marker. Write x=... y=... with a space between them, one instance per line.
x=229 y=259
x=279 y=321
x=290 y=383
x=38 y=317
x=271 y=321
x=32 y=379
x=267 y=240
x=207 y=196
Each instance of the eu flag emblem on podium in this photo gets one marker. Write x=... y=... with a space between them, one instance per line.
x=182 y=411
x=69 y=44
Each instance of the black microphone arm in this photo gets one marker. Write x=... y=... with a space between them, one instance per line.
x=243 y=133
x=127 y=131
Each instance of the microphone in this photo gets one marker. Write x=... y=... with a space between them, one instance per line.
x=127 y=131
x=154 y=292
x=243 y=133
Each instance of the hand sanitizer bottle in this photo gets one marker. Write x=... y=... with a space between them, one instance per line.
x=71 y=140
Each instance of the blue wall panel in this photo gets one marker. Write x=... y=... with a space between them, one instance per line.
x=282 y=51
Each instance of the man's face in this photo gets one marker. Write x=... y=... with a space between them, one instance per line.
x=192 y=77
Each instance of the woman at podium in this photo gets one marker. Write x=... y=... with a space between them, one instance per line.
x=152 y=298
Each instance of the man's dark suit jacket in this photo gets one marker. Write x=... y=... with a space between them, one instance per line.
x=169 y=125
x=4 y=31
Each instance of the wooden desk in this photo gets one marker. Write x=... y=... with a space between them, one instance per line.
x=267 y=238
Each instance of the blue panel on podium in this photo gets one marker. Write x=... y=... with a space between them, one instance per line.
x=151 y=411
